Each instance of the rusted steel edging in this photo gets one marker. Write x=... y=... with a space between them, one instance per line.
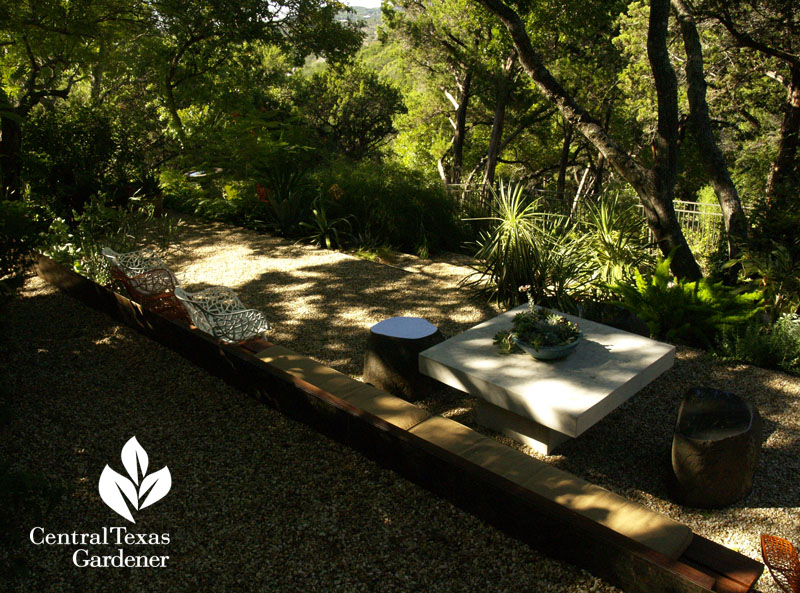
x=540 y=522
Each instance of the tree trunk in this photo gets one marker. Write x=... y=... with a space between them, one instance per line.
x=561 y=183
x=10 y=158
x=459 y=133
x=661 y=210
x=780 y=184
x=98 y=71
x=172 y=107
x=700 y=125
x=503 y=92
x=600 y=168
x=597 y=184
x=651 y=185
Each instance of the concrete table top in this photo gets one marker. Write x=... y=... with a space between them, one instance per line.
x=566 y=396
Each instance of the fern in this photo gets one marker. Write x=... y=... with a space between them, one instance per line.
x=679 y=311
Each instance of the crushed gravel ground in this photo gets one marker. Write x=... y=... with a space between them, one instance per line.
x=262 y=503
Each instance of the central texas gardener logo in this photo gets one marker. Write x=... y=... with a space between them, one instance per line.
x=141 y=490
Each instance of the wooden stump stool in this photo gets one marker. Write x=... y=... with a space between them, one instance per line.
x=715 y=448
x=393 y=348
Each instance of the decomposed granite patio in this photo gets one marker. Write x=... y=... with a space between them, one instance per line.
x=261 y=503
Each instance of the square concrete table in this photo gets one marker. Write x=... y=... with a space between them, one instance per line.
x=544 y=403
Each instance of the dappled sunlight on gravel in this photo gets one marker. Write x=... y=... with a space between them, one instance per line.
x=261 y=503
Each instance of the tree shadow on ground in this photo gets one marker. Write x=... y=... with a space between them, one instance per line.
x=258 y=502
x=324 y=310
x=321 y=303
x=629 y=450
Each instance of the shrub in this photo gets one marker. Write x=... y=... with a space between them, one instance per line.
x=685 y=312
x=776 y=272
x=123 y=229
x=215 y=198
x=21 y=229
x=776 y=346
x=75 y=151
x=393 y=205
x=528 y=247
x=707 y=237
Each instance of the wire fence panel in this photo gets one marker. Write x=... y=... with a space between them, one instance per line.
x=702 y=223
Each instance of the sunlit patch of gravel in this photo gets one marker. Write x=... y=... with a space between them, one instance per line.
x=261 y=503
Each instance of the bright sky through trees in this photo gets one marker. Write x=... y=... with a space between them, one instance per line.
x=364 y=3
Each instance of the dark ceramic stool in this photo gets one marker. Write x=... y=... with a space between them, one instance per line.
x=715 y=448
x=393 y=348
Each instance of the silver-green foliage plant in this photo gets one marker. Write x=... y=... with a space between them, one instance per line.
x=685 y=312
x=771 y=346
x=526 y=246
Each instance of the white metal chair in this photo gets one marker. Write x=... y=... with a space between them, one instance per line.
x=133 y=262
x=220 y=312
x=148 y=281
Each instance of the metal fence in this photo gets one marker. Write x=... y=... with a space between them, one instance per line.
x=702 y=223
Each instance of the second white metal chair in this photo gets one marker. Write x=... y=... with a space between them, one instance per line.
x=220 y=312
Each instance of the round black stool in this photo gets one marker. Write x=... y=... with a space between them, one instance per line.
x=391 y=363
x=715 y=448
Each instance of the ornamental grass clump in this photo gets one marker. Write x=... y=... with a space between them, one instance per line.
x=537 y=327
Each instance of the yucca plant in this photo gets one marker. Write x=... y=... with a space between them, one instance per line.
x=526 y=246
x=616 y=240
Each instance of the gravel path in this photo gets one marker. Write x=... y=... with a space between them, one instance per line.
x=261 y=503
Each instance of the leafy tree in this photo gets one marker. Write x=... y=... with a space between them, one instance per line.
x=351 y=108
x=770 y=29
x=445 y=36
x=503 y=121
x=700 y=122
x=46 y=49
x=702 y=158
x=654 y=184
x=188 y=42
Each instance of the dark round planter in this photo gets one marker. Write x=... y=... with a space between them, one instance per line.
x=392 y=359
x=715 y=448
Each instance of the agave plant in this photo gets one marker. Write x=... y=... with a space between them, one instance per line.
x=326 y=232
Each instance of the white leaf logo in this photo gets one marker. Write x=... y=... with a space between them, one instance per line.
x=153 y=487
x=133 y=456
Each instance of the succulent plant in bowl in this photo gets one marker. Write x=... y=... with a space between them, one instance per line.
x=540 y=332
